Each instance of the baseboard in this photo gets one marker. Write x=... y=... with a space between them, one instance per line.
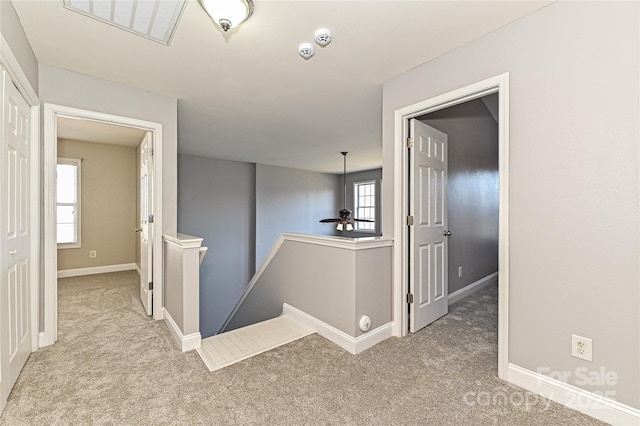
x=186 y=343
x=138 y=271
x=472 y=288
x=66 y=273
x=589 y=403
x=354 y=345
x=44 y=340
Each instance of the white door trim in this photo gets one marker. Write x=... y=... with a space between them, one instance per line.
x=499 y=84
x=51 y=111
x=12 y=66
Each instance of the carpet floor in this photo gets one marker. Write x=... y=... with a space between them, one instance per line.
x=112 y=365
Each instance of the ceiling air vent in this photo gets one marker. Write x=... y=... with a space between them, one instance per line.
x=153 y=19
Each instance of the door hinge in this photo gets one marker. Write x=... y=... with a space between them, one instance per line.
x=409 y=220
x=409 y=297
x=151 y=152
x=150 y=218
x=151 y=285
x=409 y=142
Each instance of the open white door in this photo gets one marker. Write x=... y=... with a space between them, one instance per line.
x=146 y=223
x=428 y=235
x=15 y=312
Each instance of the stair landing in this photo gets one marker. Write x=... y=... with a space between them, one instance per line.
x=236 y=345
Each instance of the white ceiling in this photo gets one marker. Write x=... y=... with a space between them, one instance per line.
x=98 y=132
x=247 y=95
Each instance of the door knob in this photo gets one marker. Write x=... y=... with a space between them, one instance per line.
x=13 y=252
x=138 y=229
x=447 y=233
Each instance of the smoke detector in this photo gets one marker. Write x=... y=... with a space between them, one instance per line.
x=306 y=50
x=323 y=37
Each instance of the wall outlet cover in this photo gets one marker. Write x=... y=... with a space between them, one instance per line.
x=582 y=347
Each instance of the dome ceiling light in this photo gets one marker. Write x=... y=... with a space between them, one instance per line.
x=228 y=14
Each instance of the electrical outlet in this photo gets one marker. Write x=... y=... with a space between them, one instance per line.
x=581 y=347
x=459 y=271
x=92 y=254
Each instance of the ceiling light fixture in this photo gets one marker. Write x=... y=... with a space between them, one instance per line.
x=228 y=13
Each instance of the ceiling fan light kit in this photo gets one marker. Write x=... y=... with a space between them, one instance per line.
x=228 y=14
x=345 y=221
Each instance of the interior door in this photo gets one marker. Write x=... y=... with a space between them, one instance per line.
x=15 y=312
x=428 y=234
x=146 y=223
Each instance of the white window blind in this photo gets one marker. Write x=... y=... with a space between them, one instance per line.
x=365 y=205
x=68 y=202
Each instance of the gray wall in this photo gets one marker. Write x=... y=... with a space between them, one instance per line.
x=574 y=200
x=293 y=201
x=13 y=33
x=375 y=174
x=472 y=190
x=337 y=287
x=240 y=210
x=217 y=202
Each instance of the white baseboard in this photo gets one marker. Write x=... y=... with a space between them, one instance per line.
x=138 y=270
x=186 y=343
x=589 y=403
x=43 y=340
x=65 y=273
x=354 y=345
x=473 y=287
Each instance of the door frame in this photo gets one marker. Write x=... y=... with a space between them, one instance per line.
x=11 y=64
x=498 y=84
x=49 y=335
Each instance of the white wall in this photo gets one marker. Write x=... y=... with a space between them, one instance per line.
x=574 y=179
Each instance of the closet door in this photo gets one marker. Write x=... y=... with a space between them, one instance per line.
x=15 y=298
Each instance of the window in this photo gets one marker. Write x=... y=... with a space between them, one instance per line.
x=365 y=205
x=68 y=202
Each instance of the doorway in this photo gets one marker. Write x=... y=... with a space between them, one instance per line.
x=53 y=115
x=459 y=145
x=402 y=117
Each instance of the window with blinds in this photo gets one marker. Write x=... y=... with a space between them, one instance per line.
x=68 y=202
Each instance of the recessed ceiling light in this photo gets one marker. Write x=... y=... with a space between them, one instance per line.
x=153 y=19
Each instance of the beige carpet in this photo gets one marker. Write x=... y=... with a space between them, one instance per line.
x=114 y=366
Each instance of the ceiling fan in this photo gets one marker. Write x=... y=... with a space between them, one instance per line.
x=345 y=221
